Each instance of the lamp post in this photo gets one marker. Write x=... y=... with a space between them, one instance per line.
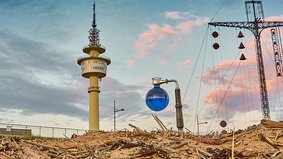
x=199 y=123
x=116 y=110
x=179 y=114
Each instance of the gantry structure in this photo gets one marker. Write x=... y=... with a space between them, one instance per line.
x=256 y=24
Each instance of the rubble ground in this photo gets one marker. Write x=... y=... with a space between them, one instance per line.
x=259 y=141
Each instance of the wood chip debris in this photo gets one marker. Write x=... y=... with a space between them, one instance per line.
x=258 y=141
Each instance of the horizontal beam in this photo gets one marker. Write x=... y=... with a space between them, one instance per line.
x=249 y=25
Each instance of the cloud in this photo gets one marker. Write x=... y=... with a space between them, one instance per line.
x=185 y=64
x=148 y=40
x=161 y=61
x=211 y=76
x=187 y=26
x=131 y=63
x=274 y=18
x=173 y=15
x=128 y=97
x=24 y=63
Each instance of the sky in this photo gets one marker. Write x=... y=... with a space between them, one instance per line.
x=41 y=82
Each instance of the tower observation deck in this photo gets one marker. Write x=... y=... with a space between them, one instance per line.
x=94 y=67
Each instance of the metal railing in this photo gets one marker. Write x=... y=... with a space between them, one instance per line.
x=44 y=131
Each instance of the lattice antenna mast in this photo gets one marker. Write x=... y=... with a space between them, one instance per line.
x=94 y=31
x=255 y=23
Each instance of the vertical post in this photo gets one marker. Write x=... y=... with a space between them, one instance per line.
x=179 y=113
x=263 y=87
x=114 y=116
x=197 y=125
x=39 y=130
x=53 y=132
x=260 y=65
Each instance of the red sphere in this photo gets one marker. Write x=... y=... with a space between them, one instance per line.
x=215 y=45
x=215 y=34
x=223 y=123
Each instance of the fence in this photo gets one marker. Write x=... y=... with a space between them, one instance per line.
x=42 y=131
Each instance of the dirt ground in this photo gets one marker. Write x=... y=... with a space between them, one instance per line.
x=259 y=141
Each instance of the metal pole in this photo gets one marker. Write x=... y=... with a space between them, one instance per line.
x=179 y=113
x=40 y=131
x=65 y=132
x=114 y=116
x=197 y=125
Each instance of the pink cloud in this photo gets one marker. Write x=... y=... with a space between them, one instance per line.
x=148 y=40
x=155 y=33
x=131 y=63
x=211 y=76
x=187 y=26
x=274 y=18
x=175 y=15
x=172 y=15
x=161 y=61
x=184 y=64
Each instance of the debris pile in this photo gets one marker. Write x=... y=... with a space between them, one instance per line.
x=259 y=141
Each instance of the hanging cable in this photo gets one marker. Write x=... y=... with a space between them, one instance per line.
x=221 y=6
x=218 y=70
x=194 y=68
x=243 y=94
x=208 y=98
x=251 y=96
x=201 y=77
x=224 y=95
x=242 y=74
x=222 y=80
x=250 y=83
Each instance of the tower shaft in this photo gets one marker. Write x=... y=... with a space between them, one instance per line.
x=256 y=28
x=93 y=103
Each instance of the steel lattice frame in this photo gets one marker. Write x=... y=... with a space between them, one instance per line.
x=256 y=28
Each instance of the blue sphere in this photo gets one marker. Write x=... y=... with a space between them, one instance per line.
x=157 y=98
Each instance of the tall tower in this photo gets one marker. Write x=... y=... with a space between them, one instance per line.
x=256 y=24
x=94 y=67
